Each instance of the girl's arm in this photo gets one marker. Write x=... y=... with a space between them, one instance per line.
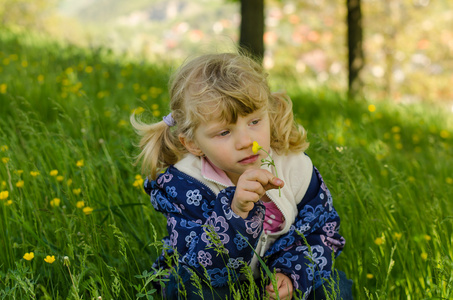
x=305 y=253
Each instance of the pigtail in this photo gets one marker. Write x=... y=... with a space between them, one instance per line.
x=287 y=135
x=159 y=147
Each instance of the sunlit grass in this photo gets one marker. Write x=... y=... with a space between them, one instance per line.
x=75 y=222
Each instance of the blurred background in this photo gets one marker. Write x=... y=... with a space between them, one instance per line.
x=407 y=44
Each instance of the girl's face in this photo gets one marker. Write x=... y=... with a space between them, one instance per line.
x=229 y=146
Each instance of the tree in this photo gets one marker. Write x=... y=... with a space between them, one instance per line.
x=252 y=27
x=355 y=48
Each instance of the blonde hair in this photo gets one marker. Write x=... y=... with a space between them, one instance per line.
x=220 y=87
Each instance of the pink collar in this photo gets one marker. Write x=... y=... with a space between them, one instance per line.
x=213 y=173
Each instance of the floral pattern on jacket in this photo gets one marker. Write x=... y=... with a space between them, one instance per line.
x=209 y=237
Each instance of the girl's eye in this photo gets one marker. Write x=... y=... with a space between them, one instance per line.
x=254 y=122
x=224 y=133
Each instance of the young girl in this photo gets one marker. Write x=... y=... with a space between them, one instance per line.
x=223 y=207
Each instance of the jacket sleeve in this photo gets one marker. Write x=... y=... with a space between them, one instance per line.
x=305 y=252
x=205 y=233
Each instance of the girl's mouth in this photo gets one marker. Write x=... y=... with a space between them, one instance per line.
x=249 y=160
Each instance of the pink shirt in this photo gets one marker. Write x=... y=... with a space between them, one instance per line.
x=273 y=219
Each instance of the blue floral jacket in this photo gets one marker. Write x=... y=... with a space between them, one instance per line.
x=210 y=238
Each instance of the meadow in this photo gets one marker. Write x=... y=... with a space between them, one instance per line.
x=76 y=223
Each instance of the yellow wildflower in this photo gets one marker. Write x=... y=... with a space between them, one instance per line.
x=371 y=108
x=122 y=123
x=9 y=202
x=20 y=184
x=4 y=195
x=29 y=256
x=444 y=134
x=69 y=182
x=54 y=173
x=397 y=236
x=77 y=191
x=256 y=147
x=34 y=173
x=5 y=160
x=427 y=237
x=49 y=259
x=80 y=204
x=40 y=78
x=138 y=110
x=55 y=202
x=449 y=180
x=424 y=255
x=89 y=69
x=87 y=210
x=369 y=276
x=379 y=241
x=19 y=172
x=80 y=163
x=4 y=148
x=3 y=88
x=60 y=178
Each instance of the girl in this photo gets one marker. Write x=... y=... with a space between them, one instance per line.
x=223 y=207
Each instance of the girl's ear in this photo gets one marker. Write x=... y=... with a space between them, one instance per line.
x=190 y=145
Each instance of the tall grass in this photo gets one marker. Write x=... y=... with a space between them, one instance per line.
x=64 y=110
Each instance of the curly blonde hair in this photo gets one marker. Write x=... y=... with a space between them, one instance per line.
x=221 y=87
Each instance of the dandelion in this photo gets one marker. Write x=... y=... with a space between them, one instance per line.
x=89 y=69
x=76 y=191
x=379 y=241
x=411 y=179
x=34 y=173
x=444 y=134
x=55 y=202
x=369 y=276
x=4 y=148
x=40 y=78
x=29 y=256
x=19 y=172
x=427 y=237
x=5 y=160
x=69 y=182
x=371 y=108
x=138 y=110
x=80 y=204
x=20 y=184
x=397 y=236
x=449 y=180
x=80 y=163
x=60 y=178
x=424 y=255
x=54 y=173
x=9 y=202
x=122 y=123
x=269 y=162
x=49 y=259
x=4 y=195
x=396 y=129
x=87 y=210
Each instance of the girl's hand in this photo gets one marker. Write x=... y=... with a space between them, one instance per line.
x=251 y=186
x=284 y=285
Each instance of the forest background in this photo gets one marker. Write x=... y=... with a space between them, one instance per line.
x=75 y=222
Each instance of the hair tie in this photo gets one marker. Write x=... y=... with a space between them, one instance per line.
x=168 y=119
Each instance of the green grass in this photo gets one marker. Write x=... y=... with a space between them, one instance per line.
x=389 y=168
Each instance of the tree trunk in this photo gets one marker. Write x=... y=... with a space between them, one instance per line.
x=252 y=27
x=355 y=50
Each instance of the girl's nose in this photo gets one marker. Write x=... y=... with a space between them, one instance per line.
x=244 y=140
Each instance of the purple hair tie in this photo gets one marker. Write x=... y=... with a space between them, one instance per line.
x=168 y=119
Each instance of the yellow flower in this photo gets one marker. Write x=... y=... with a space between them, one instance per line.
x=5 y=160
x=4 y=195
x=424 y=255
x=444 y=134
x=49 y=259
x=122 y=123
x=397 y=236
x=60 y=178
x=40 y=78
x=80 y=204
x=256 y=147
x=427 y=237
x=34 y=173
x=371 y=108
x=69 y=182
x=29 y=256
x=19 y=172
x=77 y=191
x=379 y=241
x=89 y=69
x=54 y=173
x=138 y=110
x=369 y=276
x=87 y=210
x=449 y=180
x=3 y=88
x=80 y=163
x=55 y=202
x=4 y=148
x=20 y=184
x=9 y=202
